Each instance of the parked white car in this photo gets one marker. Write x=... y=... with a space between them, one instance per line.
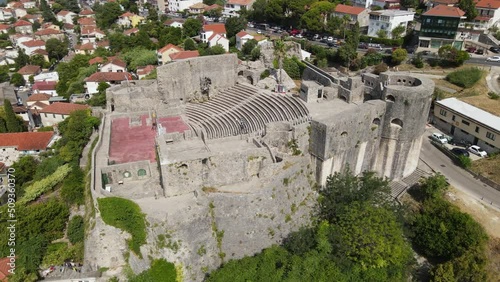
x=440 y=138
x=493 y=59
x=476 y=150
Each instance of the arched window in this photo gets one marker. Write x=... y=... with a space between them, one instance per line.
x=397 y=122
x=390 y=98
x=141 y=172
x=344 y=134
x=376 y=121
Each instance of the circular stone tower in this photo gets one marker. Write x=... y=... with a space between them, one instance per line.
x=408 y=102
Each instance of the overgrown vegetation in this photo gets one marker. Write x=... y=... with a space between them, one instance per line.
x=466 y=77
x=126 y=215
x=161 y=270
x=76 y=230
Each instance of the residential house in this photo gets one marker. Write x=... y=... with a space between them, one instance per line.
x=114 y=64
x=83 y=49
x=96 y=60
x=69 y=27
x=388 y=20
x=103 y=43
x=162 y=6
x=183 y=55
x=6 y=14
x=129 y=19
x=66 y=16
x=50 y=25
x=30 y=46
x=15 y=4
x=181 y=5
x=165 y=52
x=86 y=23
x=86 y=13
x=214 y=6
x=42 y=52
x=20 y=12
x=488 y=15
x=142 y=72
x=242 y=37
x=111 y=78
x=29 y=70
x=355 y=14
x=466 y=122
x=5 y=61
x=31 y=18
x=23 y=112
x=363 y=3
x=41 y=98
x=28 y=4
x=439 y=27
x=4 y=28
x=18 y=38
x=49 y=33
x=387 y=4
x=91 y=34
x=57 y=112
x=15 y=145
x=23 y=26
x=215 y=34
x=47 y=76
x=48 y=87
x=132 y=31
x=197 y=8
x=232 y=7
x=174 y=23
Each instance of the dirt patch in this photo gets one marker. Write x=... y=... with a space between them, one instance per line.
x=488 y=168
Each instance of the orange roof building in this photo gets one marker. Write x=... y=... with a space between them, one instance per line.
x=445 y=11
x=182 y=55
x=26 y=141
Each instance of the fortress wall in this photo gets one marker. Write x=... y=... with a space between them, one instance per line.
x=181 y=81
x=349 y=139
x=214 y=171
x=311 y=74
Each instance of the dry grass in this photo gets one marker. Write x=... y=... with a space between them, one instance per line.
x=488 y=167
x=207 y=189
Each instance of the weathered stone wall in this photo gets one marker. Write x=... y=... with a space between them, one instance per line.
x=181 y=81
x=211 y=228
x=127 y=172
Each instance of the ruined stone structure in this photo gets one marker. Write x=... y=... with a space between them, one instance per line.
x=204 y=130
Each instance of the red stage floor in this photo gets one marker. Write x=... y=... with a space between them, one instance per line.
x=136 y=143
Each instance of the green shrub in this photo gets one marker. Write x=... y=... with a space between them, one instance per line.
x=161 y=270
x=73 y=186
x=265 y=74
x=464 y=161
x=38 y=188
x=380 y=68
x=465 y=77
x=46 y=128
x=75 y=230
x=126 y=215
x=493 y=95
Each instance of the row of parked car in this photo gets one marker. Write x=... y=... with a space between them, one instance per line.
x=469 y=148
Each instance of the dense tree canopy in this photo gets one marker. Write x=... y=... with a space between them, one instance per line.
x=57 y=49
x=469 y=7
x=107 y=14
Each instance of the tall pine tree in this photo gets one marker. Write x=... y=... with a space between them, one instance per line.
x=13 y=124
x=3 y=128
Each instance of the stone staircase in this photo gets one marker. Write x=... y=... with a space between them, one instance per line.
x=399 y=187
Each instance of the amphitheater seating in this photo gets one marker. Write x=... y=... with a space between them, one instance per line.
x=242 y=109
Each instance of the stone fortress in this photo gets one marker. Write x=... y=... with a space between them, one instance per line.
x=210 y=129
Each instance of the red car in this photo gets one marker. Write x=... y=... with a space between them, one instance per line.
x=294 y=32
x=471 y=49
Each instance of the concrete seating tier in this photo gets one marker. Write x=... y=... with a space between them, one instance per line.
x=242 y=109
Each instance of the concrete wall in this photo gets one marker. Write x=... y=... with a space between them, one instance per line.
x=181 y=81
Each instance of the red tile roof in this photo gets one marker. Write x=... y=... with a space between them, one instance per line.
x=4 y=266
x=29 y=69
x=216 y=28
x=22 y=23
x=168 y=47
x=350 y=10
x=169 y=22
x=145 y=70
x=241 y=34
x=63 y=13
x=127 y=14
x=40 y=52
x=44 y=86
x=34 y=43
x=103 y=43
x=26 y=141
x=38 y=105
x=445 y=11
x=116 y=61
x=108 y=77
x=86 y=46
x=63 y=108
x=96 y=60
x=68 y=26
x=86 y=21
x=482 y=18
x=48 y=31
x=182 y=55
x=86 y=12
x=91 y=29
x=490 y=4
x=240 y=2
x=39 y=97
x=4 y=26
x=131 y=31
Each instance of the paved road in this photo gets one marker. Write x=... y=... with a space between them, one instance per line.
x=457 y=177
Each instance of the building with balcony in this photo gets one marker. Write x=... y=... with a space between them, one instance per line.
x=440 y=26
x=388 y=20
x=362 y=3
x=232 y=7
x=468 y=123
x=488 y=13
x=181 y=5
x=356 y=14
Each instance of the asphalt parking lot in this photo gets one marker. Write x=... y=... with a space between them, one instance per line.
x=430 y=129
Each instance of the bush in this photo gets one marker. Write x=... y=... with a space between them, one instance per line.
x=291 y=68
x=38 y=188
x=161 y=270
x=465 y=77
x=126 y=215
x=398 y=56
x=265 y=74
x=73 y=187
x=380 y=68
x=75 y=230
x=417 y=61
x=493 y=95
x=464 y=161
x=384 y=41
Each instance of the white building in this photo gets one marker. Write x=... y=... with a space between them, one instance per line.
x=47 y=76
x=241 y=38
x=15 y=145
x=387 y=20
x=215 y=34
x=232 y=7
x=488 y=14
x=181 y=5
x=66 y=16
x=30 y=46
x=362 y=3
x=111 y=78
x=57 y=112
x=114 y=65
